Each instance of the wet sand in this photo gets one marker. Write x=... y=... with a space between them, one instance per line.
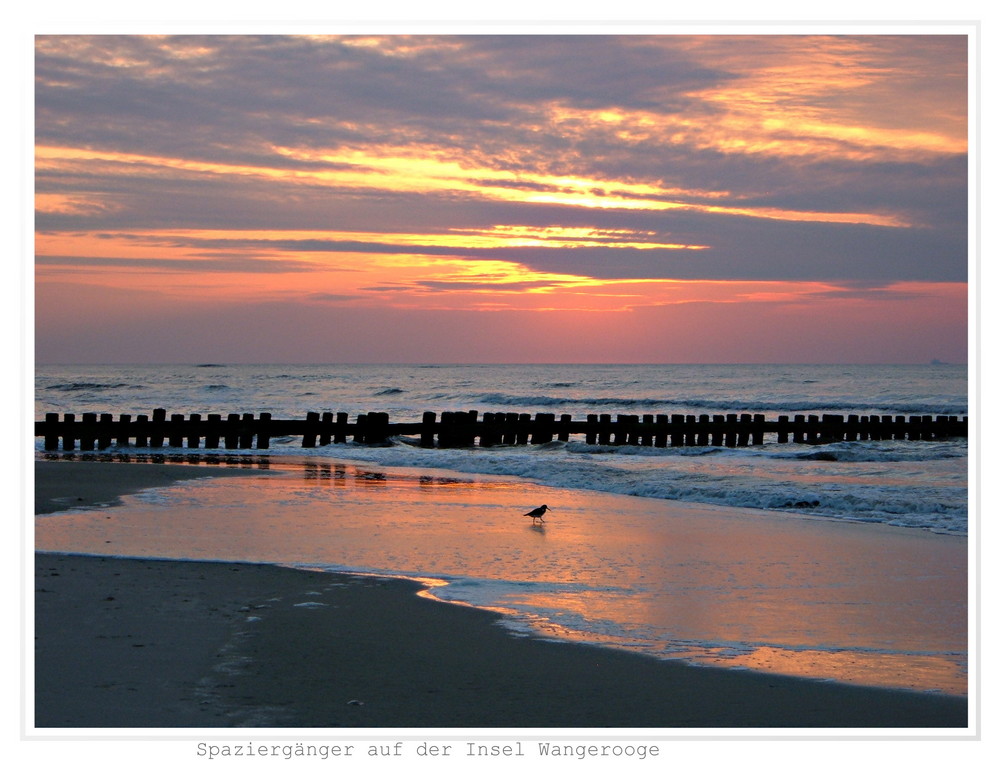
x=153 y=643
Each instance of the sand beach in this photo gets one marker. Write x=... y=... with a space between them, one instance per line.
x=156 y=643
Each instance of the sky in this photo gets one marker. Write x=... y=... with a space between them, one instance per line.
x=501 y=198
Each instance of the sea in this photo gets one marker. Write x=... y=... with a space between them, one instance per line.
x=608 y=583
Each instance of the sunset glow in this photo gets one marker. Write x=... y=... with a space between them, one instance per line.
x=626 y=198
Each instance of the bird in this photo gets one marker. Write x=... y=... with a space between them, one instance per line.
x=536 y=514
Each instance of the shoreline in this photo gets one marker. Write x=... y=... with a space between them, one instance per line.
x=164 y=643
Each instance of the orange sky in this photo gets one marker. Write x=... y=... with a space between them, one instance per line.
x=649 y=198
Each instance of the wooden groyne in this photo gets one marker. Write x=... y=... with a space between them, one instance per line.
x=460 y=429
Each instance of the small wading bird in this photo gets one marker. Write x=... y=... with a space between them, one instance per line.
x=536 y=514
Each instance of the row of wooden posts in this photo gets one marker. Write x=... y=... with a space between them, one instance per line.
x=460 y=429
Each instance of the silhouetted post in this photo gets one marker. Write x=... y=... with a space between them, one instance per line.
x=87 y=433
x=212 y=431
x=731 y=427
x=676 y=429
x=176 y=437
x=813 y=435
x=156 y=432
x=509 y=428
x=690 y=430
x=900 y=428
x=51 y=433
x=427 y=430
x=604 y=434
x=340 y=431
x=232 y=431
x=246 y=431
x=851 y=434
x=141 y=430
x=564 y=422
x=121 y=433
x=325 y=430
x=542 y=432
x=361 y=429
x=591 y=429
x=310 y=431
x=469 y=422
x=264 y=431
x=702 y=439
x=104 y=431
x=718 y=421
x=523 y=426
x=194 y=431
x=661 y=432
x=620 y=437
x=832 y=427
x=743 y=438
x=783 y=428
x=799 y=431
x=757 y=431
x=646 y=434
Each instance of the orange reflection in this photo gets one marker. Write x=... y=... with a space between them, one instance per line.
x=859 y=603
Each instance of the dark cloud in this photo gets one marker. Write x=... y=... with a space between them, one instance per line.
x=230 y=99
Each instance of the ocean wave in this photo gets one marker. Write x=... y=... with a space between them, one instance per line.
x=897 y=407
x=389 y=392
x=82 y=386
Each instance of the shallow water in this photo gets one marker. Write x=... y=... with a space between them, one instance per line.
x=711 y=585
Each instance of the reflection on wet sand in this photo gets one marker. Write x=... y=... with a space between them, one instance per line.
x=860 y=603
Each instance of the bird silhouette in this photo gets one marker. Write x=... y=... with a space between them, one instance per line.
x=536 y=514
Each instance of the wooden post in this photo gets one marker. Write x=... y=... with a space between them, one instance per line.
x=523 y=426
x=469 y=423
x=104 y=431
x=676 y=429
x=783 y=428
x=564 y=422
x=591 y=429
x=718 y=436
x=813 y=435
x=851 y=434
x=121 y=439
x=509 y=428
x=87 y=435
x=542 y=432
x=340 y=431
x=264 y=431
x=702 y=439
x=246 y=431
x=361 y=429
x=141 y=430
x=798 y=432
x=690 y=431
x=232 y=431
x=620 y=436
x=757 y=431
x=731 y=431
x=51 y=434
x=604 y=434
x=662 y=426
x=900 y=428
x=833 y=427
x=427 y=430
x=156 y=430
x=743 y=438
x=194 y=431
x=176 y=436
x=631 y=429
x=646 y=434
x=325 y=429
x=212 y=431
x=310 y=431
